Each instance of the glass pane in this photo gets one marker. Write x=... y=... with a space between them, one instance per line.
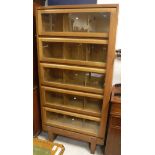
x=75 y=77
x=52 y=50
x=91 y=125
x=89 y=22
x=76 y=22
x=87 y=79
x=97 y=53
x=73 y=101
x=94 y=80
x=50 y=22
x=55 y=98
x=75 y=51
x=72 y=122
x=93 y=104
x=53 y=75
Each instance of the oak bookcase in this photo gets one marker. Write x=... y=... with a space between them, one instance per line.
x=76 y=50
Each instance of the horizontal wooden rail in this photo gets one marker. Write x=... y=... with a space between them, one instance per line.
x=76 y=10
x=73 y=114
x=71 y=92
x=78 y=34
x=74 y=40
x=74 y=68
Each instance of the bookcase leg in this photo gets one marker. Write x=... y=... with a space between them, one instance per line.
x=92 y=147
x=51 y=136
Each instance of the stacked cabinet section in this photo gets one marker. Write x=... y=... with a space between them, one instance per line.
x=88 y=52
x=75 y=54
x=85 y=22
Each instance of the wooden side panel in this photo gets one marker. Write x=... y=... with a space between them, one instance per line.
x=36 y=112
x=109 y=74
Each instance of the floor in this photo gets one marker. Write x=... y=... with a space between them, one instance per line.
x=73 y=147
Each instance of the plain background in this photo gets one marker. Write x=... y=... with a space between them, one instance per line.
x=137 y=41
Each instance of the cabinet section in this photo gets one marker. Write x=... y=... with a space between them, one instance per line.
x=74 y=77
x=89 y=22
x=74 y=122
x=85 y=103
x=80 y=52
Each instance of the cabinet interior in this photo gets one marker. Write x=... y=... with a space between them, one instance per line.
x=75 y=51
x=76 y=22
x=87 y=79
x=73 y=101
x=72 y=122
x=52 y=50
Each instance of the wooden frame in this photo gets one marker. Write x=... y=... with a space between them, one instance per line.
x=71 y=92
x=68 y=61
x=75 y=68
x=108 y=38
x=70 y=10
x=76 y=10
x=109 y=75
x=79 y=136
x=115 y=6
x=71 y=68
x=68 y=108
x=76 y=129
x=96 y=119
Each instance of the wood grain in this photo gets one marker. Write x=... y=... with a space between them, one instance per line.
x=76 y=10
x=113 y=140
x=77 y=34
x=80 y=6
x=71 y=92
x=75 y=40
x=109 y=75
x=73 y=114
x=96 y=134
x=74 y=68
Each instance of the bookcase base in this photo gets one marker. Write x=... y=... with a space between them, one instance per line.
x=53 y=132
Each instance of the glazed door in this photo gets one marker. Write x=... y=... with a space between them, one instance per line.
x=73 y=77
x=83 y=22
x=74 y=101
x=88 y=52
x=76 y=122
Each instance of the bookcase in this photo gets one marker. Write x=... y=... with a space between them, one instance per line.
x=76 y=50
